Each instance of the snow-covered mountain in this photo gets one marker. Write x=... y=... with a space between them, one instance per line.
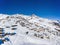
x=21 y=29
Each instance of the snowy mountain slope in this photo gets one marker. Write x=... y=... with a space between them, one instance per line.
x=20 y=29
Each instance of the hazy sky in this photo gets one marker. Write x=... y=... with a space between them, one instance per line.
x=43 y=8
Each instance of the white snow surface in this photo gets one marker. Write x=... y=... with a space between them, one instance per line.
x=31 y=30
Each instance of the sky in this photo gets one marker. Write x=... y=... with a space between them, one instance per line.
x=43 y=8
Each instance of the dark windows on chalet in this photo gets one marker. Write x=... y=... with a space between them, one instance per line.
x=13 y=25
x=14 y=28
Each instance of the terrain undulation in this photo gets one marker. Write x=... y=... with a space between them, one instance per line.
x=22 y=29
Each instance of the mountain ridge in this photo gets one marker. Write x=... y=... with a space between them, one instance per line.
x=31 y=28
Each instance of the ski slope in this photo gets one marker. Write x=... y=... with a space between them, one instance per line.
x=21 y=29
